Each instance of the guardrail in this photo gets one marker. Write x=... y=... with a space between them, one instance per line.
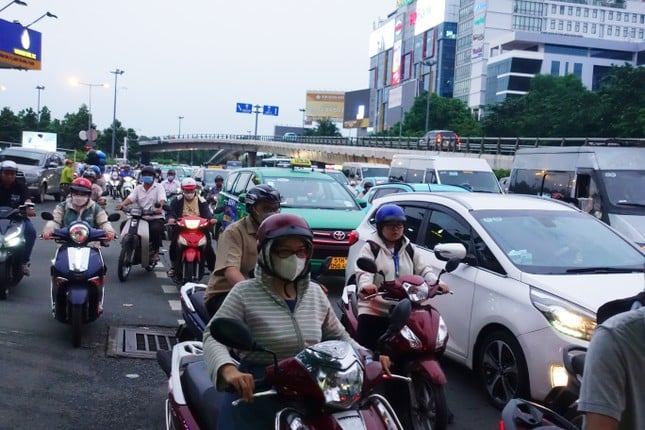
x=475 y=145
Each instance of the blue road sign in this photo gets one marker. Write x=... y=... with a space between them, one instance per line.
x=270 y=110
x=243 y=108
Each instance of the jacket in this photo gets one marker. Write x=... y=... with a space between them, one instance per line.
x=177 y=208
x=65 y=214
x=408 y=265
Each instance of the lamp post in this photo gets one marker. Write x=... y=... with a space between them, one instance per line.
x=89 y=106
x=303 y=110
x=46 y=14
x=179 y=134
x=39 y=88
x=428 y=63
x=22 y=3
x=116 y=74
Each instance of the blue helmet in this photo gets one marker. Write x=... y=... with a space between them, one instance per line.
x=97 y=170
x=389 y=213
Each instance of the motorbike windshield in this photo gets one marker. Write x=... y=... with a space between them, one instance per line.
x=337 y=370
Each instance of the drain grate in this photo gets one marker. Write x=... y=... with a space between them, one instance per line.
x=140 y=342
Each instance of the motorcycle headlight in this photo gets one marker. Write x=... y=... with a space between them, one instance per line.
x=408 y=334
x=416 y=293
x=442 y=334
x=564 y=316
x=337 y=370
x=191 y=224
x=135 y=211
x=13 y=238
x=79 y=233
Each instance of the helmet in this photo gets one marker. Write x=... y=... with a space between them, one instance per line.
x=368 y=184
x=81 y=184
x=219 y=178
x=188 y=184
x=148 y=171
x=170 y=172
x=8 y=166
x=261 y=193
x=158 y=171
x=389 y=213
x=89 y=173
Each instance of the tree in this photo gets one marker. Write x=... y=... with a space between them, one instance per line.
x=622 y=103
x=10 y=126
x=325 y=127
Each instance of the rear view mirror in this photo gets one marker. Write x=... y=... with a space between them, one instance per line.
x=114 y=217
x=446 y=251
x=367 y=265
x=47 y=216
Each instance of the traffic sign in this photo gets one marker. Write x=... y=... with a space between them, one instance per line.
x=243 y=108
x=270 y=110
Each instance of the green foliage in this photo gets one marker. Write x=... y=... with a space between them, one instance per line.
x=325 y=127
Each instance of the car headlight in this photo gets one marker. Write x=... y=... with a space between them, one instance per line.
x=442 y=334
x=416 y=293
x=564 y=316
x=79 y=233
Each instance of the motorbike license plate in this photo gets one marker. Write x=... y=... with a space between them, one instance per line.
x=338 y=263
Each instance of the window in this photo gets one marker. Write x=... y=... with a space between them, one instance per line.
x=570 y=10
x=625 y=31
x=626 y=19
x=634 y=17
x=595 y=13
x=553 y=24
x=610 y=15
x=586 y=12
x=593 y=28
x=609 y=30
x=640 y=33
x=561 y=10
x=485 y=256
x=577 y=11
x=577 y=27
x=618 y=16
x=240 y=185
x=414 y=220
x=444 y=227
x=560 y=25
x=568 y=25
x=584 y=27
x=577 y=69
x=554 y=9
x=230 y=181
x=555 y=68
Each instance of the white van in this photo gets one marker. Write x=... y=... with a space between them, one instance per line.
x=474 y=174
x=606 y=181
x=356 y=172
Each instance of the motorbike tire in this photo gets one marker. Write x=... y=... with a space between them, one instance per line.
x=125 y=262
x=188 y=271
x=432 y=412
x=77 y=324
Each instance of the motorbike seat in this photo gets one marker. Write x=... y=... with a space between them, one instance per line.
x=197 y=299
x=201 y=396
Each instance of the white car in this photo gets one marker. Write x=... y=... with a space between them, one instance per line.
x=535 y=273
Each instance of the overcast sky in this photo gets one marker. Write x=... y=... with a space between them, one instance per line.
x=194 y=59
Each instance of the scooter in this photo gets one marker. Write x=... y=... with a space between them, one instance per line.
x=333 y=390
x=113 y=187
x=127 y=186
x=77 y=273
x=415 y=349
x=12 y=246
x=520 y=414
x=193 y=311
x=564 y=400
x=192 y=243
x=136 y=247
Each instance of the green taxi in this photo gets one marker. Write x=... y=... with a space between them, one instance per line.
x=330 y=209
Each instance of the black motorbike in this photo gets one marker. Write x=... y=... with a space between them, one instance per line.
x=12 y=246
x=520 y=414
x=564 y=400
x=136 y=246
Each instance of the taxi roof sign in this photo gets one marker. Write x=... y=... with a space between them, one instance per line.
x=300 y=162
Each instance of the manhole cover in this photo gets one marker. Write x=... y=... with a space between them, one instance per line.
x=140 y=342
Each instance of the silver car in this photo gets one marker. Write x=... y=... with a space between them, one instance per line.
x=42 y=170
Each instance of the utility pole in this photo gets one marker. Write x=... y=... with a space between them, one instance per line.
x=256 y=112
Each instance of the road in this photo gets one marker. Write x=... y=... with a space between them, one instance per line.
x=48 y=384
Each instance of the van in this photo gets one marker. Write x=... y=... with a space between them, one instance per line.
x=474 y=174
x=605 y=181
x=356 y=172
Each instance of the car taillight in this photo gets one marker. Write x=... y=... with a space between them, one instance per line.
x=353 y=237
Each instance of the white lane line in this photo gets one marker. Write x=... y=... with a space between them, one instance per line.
x=175 y=305
x=180 y=322
x=169 y=289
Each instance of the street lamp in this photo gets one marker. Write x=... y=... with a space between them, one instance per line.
x=22 y=3
x=89 y=106
x=116 y=74
x=303 y=110
x=428 y=63
x=39 y=88
x=179 y=129
x=46 y=14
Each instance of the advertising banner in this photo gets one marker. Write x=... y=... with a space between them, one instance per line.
x=396 y=51
x=357 y=106
x=325 y=105
x=479 y=26
x=430 y=13
x=19 y=47
x=382 y=38
x=39 y=140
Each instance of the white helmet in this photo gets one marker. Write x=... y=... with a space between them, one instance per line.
x=9 y=166
x=188 y=184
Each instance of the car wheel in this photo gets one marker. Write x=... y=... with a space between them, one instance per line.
x=501 y=368
x=40 y=197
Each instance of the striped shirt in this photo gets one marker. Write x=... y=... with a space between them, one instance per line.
x=272 y=323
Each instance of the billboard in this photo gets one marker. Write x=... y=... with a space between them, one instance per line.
x=382 y=38
x=39 y=140
x=321 y=105
x=357 y=107
x=399 y=25
x=430 y=13
x=19 y=47
x=479 y=27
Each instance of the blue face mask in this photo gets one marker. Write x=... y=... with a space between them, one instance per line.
x=147 y=179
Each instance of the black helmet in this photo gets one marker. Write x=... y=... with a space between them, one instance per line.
x=260 y=194
x=148 y=171
x=219 y=178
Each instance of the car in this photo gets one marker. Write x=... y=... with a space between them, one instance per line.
x=290 y=137
x=441 y=140
x=382 y=190
x=330 y=209
x=206 y=177
x=503 y=182
x=42 y=170
x=535 y=273
x=374 y=180
x=341 y=178
x=357 y=171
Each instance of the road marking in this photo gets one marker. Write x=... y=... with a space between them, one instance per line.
x=160 y=274
x=180 y=322
x=169 y=289
x=175 y=305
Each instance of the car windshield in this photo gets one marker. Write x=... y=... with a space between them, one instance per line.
x=625 y=187
x=209 y=175
x=483 y=182
x=302 y=192
x=559 y=242
x=375 y=171
x=339 y=176
x=24 y=157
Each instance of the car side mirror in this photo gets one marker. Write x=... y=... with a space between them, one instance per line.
x=446 y=251
x=52 y=165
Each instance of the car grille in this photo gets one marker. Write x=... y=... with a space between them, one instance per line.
x=328 y=243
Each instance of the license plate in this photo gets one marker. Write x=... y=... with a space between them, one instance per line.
x=338 y=263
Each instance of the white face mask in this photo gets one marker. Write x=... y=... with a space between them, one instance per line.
x=289 y=268
x=170 y=178
x=189 y=196
x=80 y=200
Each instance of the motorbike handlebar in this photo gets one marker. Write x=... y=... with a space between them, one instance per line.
x=271 y=392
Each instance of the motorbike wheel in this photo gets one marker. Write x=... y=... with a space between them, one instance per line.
x=77 y=324
x=125 y=262
x=432 y=407
x=188 y=272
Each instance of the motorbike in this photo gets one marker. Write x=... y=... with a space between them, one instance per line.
x=193 y=311
x=415 y=349
x=136 y=247
x=12 y=246
x=520 y=414
x=192 y=243
x=326 y=386
x=113 y=187
x=564 y=400
x=77 y=275
x=127 y=186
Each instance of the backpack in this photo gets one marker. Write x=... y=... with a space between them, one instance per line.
x=376 y=248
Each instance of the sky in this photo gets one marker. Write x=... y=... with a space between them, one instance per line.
x=192 y=58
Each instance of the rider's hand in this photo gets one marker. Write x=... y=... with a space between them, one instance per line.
x=110 y=235
x=242 y=382
x=443 y=289
x=47 y=235
x=119 y=206
x=385 y=364
x=158 y=211
x=171 y=221
x=102 y=201
x=368 y=290
x=213 y=221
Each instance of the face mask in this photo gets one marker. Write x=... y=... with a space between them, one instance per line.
x=80 y=200
x=261 y=217
x=170 y=178
x=147 y=179
x=189 y=196
x=289 y=268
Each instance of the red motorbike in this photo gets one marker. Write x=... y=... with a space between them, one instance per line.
x=414 y=348
x=325 y=386
x=192 y=241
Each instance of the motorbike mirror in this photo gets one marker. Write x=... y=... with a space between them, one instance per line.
x=105 y=193
x=219 y=210
x=47 y=216
x=324 y=267
x=114 y=216
x=234 y=333
x=452 y=264
x=366 y=264
x=398 y=318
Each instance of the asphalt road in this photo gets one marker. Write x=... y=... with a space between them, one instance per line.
x=45 y=383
